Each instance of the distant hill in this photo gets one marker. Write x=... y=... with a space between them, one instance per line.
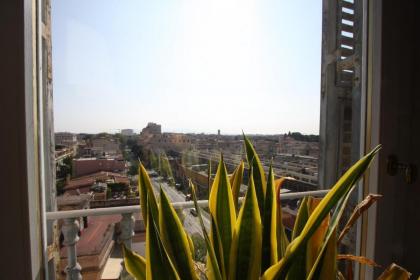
x=303 y=137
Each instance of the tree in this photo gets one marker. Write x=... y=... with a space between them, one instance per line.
x=60 y=186
x=200 y=247
x=134 y=168
x=118 y=187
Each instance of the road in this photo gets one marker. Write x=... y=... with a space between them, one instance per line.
x=191 y=223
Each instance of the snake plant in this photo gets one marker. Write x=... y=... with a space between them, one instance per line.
x=247 y=240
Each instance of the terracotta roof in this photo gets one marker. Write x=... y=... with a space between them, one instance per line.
x=89 y=180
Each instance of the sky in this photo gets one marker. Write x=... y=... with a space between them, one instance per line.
x=189 y=65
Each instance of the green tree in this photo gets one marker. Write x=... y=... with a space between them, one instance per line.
x=134 y=168
x=118 y=187
x=200 y=247
x=60 y=186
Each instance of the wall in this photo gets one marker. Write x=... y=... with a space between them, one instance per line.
x=88 y=166
x=398 y=215
x=20 y=202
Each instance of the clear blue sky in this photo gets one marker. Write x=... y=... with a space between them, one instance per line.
x=190 y=65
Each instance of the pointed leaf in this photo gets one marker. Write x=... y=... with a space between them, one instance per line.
x=301 y=218
x=328 y=269
x=338 y=195
x=212 y=264
x=134 y=263
x=245 y=257
x=191 y=245
x=158 y=263
x=218 y=246
x=146 y=194
x=236 y=182
x=282 y=240
x=175 y=239
x=317 y=239
x=223 y=210
x=298 y=268
x=332 y=228
x=269 y=244
x=257 y=172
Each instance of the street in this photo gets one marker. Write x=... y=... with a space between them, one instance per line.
x=191 y=223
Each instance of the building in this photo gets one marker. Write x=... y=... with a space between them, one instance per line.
x=152 y=128
x=65 y=139
x=127 y=132
x=105 y=146
x=85 y=166
x=84 y=184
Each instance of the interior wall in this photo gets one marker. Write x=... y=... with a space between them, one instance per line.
x=398 y=214
x=20 y=240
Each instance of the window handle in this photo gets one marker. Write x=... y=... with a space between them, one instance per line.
x=408 y=170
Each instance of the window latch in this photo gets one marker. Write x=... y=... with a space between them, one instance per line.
x=408 y=170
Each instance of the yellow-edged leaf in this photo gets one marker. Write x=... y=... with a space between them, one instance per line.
x=146 y=194
x=337 y=196
x=191 y=245
x=158 y=263
x=328 y=269
x=282 y=240
x=301 y=218
x=257 y=172
x=134 y=263
x=218 y=248
x=174 y=239
x=317 y=239
x=269 y=236
x=223 y=210
x=236 y=182
x=298 y=268
x=245 y=255
x=213 y=270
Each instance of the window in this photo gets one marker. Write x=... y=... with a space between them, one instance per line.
x=201 y=69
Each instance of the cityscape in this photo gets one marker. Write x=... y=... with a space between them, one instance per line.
x=101 y=171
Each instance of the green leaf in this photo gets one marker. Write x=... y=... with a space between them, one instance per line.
x=327 y=266
x=222 y=209
x=134 y=263
x=315 y=242
x=301 y=218
x=282 y=240
x=298 y=268
x=236 y=182
x=269 y=239
x=335 y=196
x=158 y=263
x=175 y=239
x=257 y=172
x=245 y=256
x=218 y=246
x=332 y=227
x=147 y=195
x=212 y=263
x=191 y=245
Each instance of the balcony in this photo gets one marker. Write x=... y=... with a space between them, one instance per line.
x=70 y=227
